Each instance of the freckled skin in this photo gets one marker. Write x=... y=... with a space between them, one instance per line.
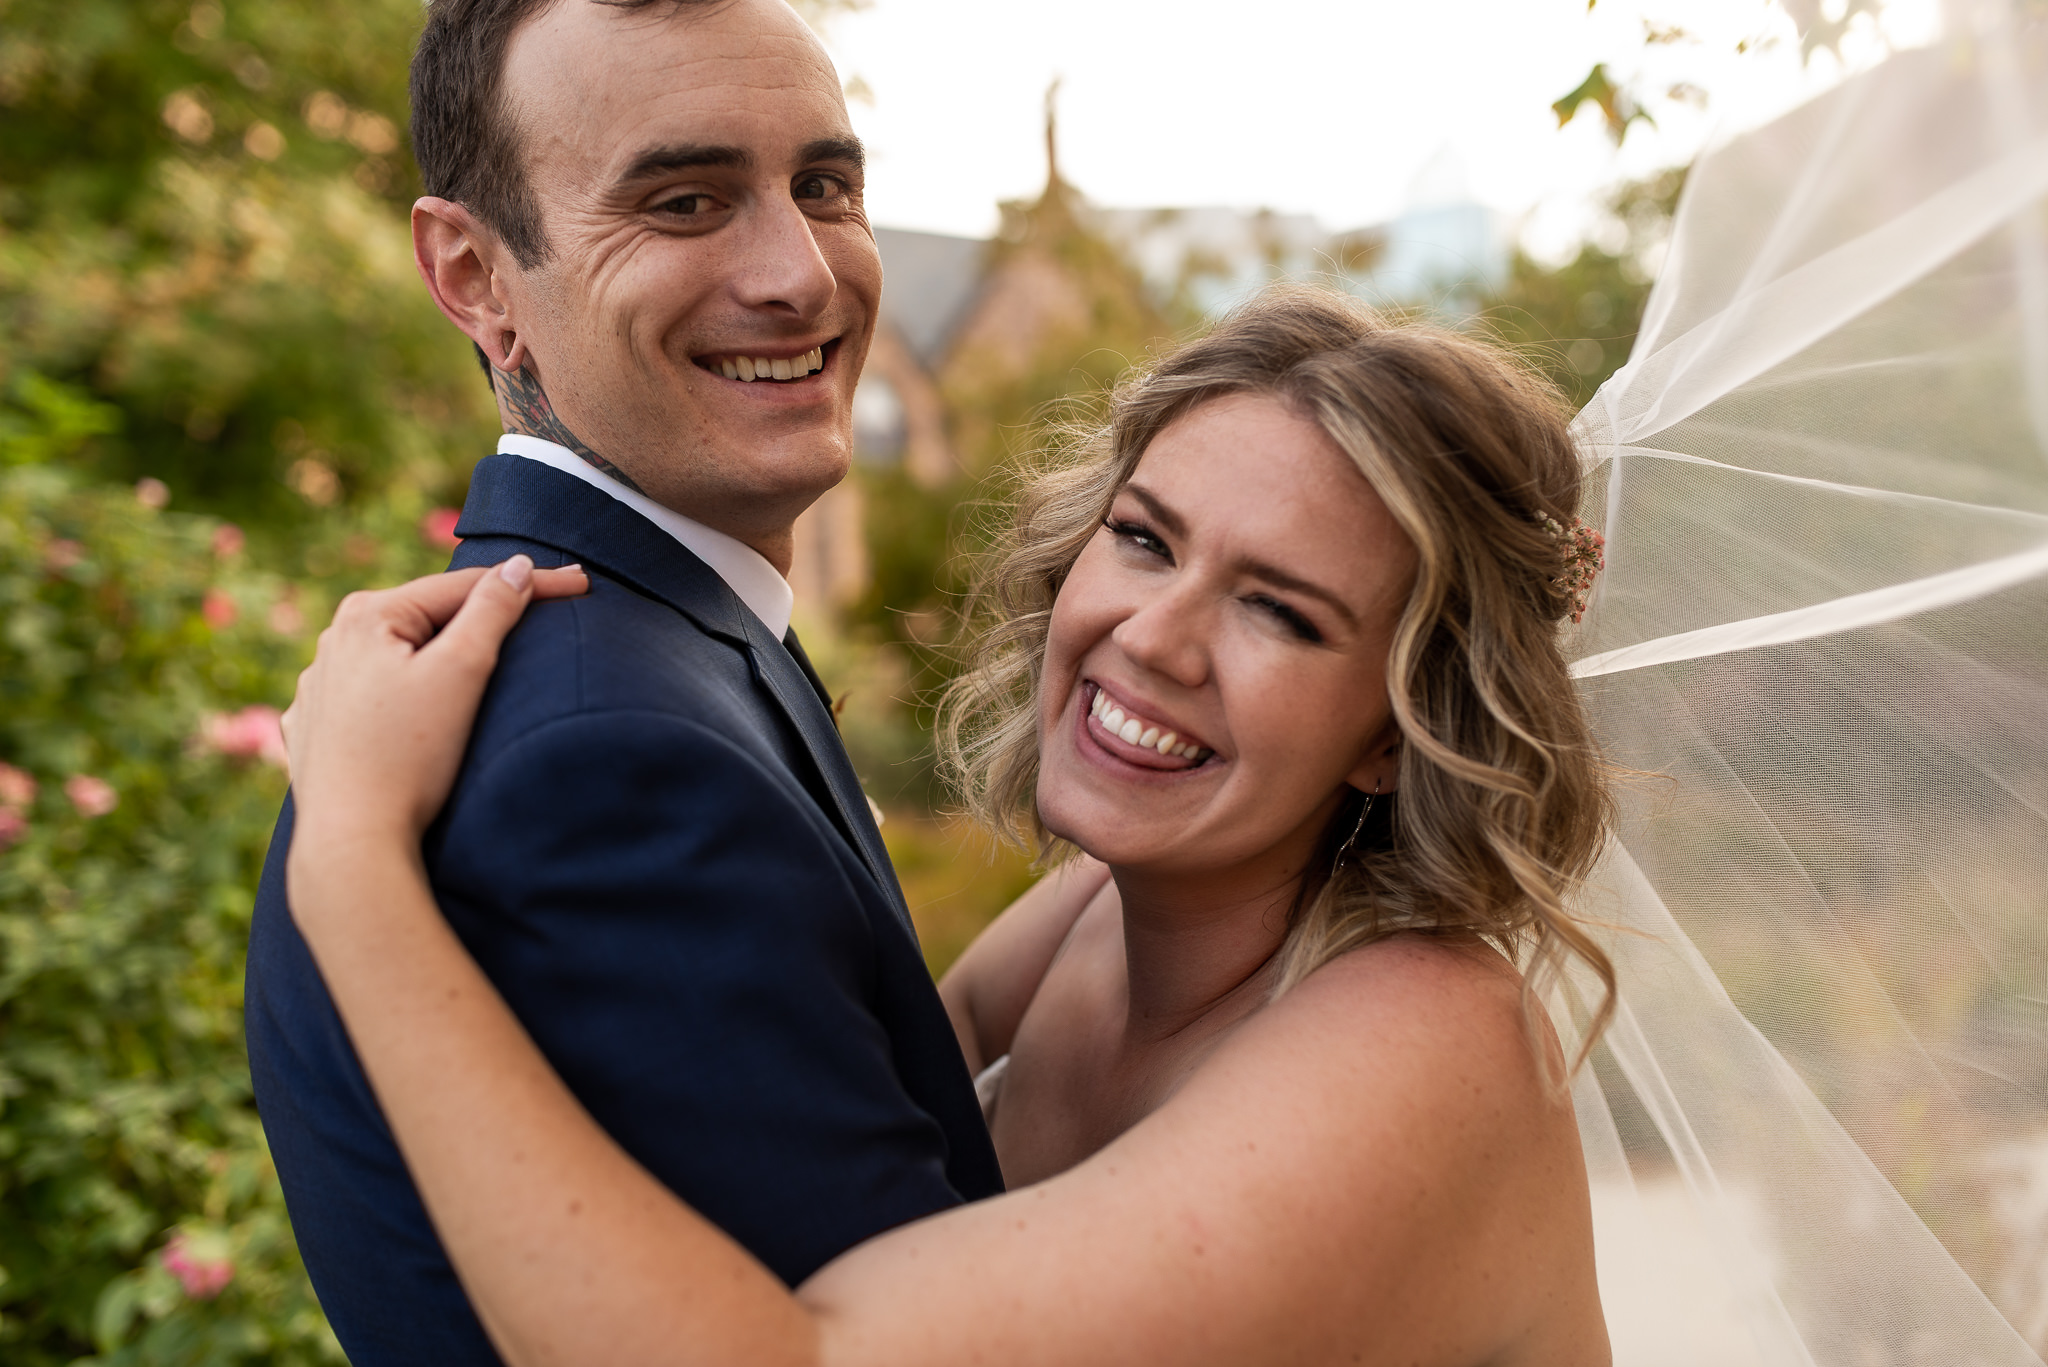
x=1292 y=720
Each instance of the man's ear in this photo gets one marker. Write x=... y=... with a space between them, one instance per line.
x=462 y=263
x=1380 y=770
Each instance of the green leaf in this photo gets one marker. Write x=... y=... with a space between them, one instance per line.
x=1618 y=107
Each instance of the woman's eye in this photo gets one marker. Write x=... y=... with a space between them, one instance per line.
x=1138 y=535
x=1288 y=617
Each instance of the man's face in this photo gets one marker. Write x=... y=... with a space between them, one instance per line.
x=700 y=188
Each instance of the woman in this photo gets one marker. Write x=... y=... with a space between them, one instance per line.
x=1278 y=653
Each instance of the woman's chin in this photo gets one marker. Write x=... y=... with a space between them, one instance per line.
x=1112 y=832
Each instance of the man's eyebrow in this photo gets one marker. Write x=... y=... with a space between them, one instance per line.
x=1170 y=522
x=656 y=162
x=684 y=156
x=835 y=149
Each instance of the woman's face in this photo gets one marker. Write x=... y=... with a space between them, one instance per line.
x=1215 y=670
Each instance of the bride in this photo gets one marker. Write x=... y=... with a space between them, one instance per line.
x=1277 y=651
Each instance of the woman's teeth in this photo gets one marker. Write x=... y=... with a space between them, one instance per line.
x=1136 y=731
x=752 y=368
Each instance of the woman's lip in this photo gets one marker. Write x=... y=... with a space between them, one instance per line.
x=1137 y=756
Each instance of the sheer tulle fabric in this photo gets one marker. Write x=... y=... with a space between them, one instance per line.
x=1818 y=1130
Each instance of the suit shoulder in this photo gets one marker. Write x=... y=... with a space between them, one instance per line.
x=615 y=650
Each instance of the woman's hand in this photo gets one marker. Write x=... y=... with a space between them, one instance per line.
x=384 y=711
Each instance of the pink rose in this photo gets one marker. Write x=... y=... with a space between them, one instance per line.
x=94 y=797
x=17 y=789
x=437 y=528
x=152 y=493
x=286 y=619
x=228 y=540
x=255 y=732
x=203 y=1278
x=13 y=826
x=218 y=609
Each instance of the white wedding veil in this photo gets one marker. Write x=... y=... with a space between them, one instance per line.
x=1818 y=1129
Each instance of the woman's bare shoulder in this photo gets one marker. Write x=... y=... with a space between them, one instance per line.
x=1415 y=997
x=1370 y=1169
x=1404 y=1084
x=988 y=989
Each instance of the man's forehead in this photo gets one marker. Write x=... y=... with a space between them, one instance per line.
x=593 y=77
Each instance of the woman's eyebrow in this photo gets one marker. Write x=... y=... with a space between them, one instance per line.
x=1172 y=523
x=1279 y=578
x=1167 y=518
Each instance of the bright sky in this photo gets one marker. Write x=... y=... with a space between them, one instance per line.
x=1331 y=107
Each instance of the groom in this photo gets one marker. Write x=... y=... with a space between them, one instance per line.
x=647 y=216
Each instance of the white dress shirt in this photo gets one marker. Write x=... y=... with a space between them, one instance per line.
x=745 y=570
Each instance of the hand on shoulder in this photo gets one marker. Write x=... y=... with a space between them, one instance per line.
x=383 y=713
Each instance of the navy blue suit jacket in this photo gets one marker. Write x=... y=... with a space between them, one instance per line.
x=658 y=851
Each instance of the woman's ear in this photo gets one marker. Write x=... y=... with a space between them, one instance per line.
x=1380 y=770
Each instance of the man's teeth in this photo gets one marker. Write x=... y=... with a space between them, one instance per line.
x=766 y=368
x=1133 y=731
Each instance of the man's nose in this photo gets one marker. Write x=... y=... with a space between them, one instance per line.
x=781 y=268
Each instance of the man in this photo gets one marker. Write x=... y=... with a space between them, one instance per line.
x=646 y=214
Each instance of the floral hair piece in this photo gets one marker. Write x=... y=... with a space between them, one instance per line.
x=1585 y=555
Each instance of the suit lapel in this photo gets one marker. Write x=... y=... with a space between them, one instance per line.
x=803 y=662
x=804 y=700
x=513 y=496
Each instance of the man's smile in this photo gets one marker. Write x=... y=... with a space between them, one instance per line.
x=771 y=363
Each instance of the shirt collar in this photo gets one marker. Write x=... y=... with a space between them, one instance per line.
x=745 y=571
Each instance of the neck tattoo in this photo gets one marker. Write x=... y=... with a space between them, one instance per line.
x=526 y=404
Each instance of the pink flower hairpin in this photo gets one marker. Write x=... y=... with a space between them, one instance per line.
x=1585 y=555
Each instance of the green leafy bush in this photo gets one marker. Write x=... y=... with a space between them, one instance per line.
x=140 y=1218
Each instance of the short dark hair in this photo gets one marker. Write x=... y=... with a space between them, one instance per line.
x=467 y=149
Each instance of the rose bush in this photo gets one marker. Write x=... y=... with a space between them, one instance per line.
x=140 y=1218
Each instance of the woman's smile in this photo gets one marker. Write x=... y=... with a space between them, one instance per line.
x=1139 y=735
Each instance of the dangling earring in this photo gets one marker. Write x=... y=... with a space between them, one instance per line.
x=1350 y=846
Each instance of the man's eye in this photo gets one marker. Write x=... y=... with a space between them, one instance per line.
x=687 y=206
x=817 y=187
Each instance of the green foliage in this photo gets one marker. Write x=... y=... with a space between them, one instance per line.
x=1617 y=106
x=125 y=1113
x=202 y=223
x=1578 y=321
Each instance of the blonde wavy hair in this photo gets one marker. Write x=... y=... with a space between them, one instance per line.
x=1502 y=803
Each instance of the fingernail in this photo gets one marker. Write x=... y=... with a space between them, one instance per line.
x=576 y=568
x=518 y=571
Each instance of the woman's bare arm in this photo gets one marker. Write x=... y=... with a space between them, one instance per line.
x=1368 y=1171
x=1368 y=1154
x=989 y=987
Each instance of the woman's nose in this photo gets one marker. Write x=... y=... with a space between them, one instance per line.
x=1168 y=635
